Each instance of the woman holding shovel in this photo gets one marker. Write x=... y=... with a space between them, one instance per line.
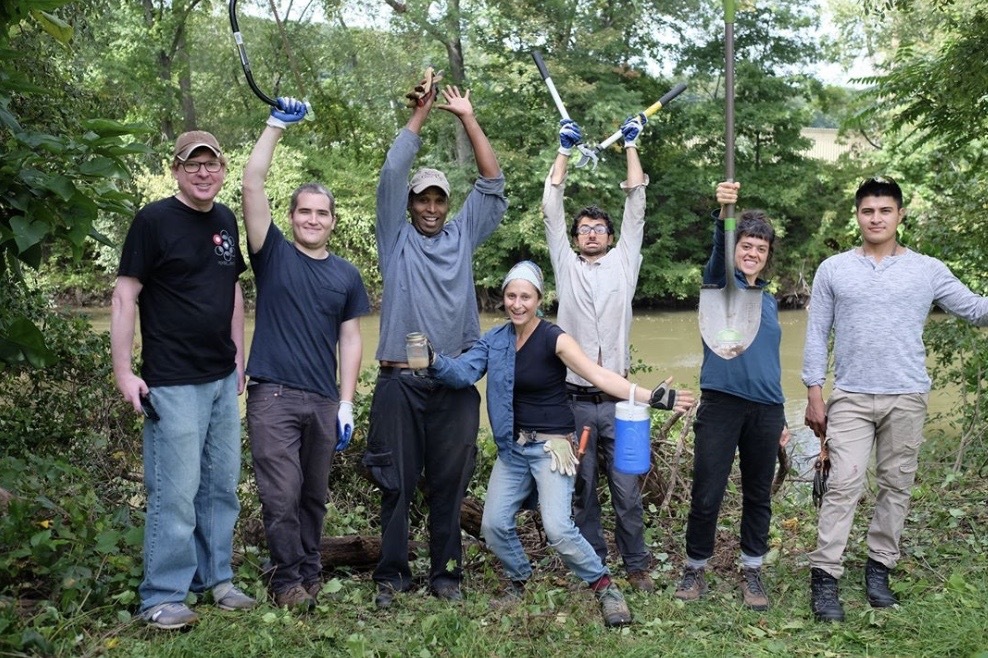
x=741 y=410
x=533 y=426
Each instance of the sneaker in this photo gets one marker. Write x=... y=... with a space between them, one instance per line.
x=692 y=586
x=641 y=581
x=613 y=606
x=448 y=591
x=314 y=589
x=514 y=593
x=170 y=616
x=295 y=597
x=824 y=596
x=877 y=585
x=228 y=597
x=752 y=591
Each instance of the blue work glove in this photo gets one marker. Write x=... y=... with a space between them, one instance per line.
x=344 y=425
x=289 y=110
x=631 y=128
x=569 y=135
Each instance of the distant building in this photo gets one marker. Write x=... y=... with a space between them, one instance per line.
x=827 y=145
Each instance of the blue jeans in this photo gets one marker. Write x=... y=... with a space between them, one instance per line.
x=626 y=497
x=512 y=480
x=191 y=471
x=292 y=441
x=726 y=424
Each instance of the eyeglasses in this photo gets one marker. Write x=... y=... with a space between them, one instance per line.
x=212 y=166
x=599 y=229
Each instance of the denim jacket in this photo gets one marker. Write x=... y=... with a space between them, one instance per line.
x=493 y=354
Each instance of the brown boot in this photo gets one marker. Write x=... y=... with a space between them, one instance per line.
x=641 y=581
x=692 y=586
x=752 y=590
x=294 y=597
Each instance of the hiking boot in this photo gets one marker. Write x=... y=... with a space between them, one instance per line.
x=641 y=581
x=314 y=588
x=613 y=607
x=824 y=597
x=228 y=597
x=877 y=585
x=385 y=597
x=295 y=597
x=170 y=616
x=447 y=591
x=752 y=591
x=692 y=586
x=513 y=594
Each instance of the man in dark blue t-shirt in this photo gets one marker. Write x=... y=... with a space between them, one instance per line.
x=309 y=300
x=180 y=263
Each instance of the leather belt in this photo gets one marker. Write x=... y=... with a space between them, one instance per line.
x=588 y=394
x=395 y=370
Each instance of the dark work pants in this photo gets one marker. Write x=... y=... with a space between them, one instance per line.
x=292 y=441
x=418 y=424
x=629 y=528
x=726 y=424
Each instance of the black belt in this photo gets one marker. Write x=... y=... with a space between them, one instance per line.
x=395 y=370
x=588 y=394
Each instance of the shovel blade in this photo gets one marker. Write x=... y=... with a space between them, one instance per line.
x=729 y=319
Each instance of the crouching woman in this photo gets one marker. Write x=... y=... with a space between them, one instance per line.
x=532 y=422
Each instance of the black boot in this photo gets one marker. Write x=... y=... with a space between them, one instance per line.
x=877 y=585
x=824 y=598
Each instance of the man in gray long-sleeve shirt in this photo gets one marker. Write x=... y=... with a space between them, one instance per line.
x=416 y=423
x=875 y=298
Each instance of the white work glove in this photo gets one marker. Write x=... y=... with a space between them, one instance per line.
x=564 y=460
x=289 y=110
x=344 y=425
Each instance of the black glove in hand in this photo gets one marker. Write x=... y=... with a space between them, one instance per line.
x=662 y=397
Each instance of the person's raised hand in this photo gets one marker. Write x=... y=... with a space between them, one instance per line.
x=727 y=193
x=456 y=103
x=632 y=128
x=569 y=135
x=289 y=110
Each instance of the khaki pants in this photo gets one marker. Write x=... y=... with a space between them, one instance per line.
x=893 y=424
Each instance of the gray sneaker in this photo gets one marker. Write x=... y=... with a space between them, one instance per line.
x=170 y=616
x=613 y=606
x=228 y=597
x=693 y=585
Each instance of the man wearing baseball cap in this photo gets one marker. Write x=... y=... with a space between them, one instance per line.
x=416 y=423
x=181 y=262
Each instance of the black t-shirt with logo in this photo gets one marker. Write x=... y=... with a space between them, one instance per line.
x=188 y=263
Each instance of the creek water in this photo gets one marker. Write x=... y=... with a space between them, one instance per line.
x=663 y=344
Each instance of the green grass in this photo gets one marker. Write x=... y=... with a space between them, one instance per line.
x=942 y=581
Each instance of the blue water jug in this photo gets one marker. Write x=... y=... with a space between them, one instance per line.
x=632 y=436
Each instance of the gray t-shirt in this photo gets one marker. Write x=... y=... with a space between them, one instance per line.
x=428 y=281
x=877 y=312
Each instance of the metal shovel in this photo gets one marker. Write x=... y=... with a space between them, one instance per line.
x=729 y=316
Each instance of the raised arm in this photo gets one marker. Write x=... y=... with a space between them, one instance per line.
x=460 y=105
x=257 y=212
